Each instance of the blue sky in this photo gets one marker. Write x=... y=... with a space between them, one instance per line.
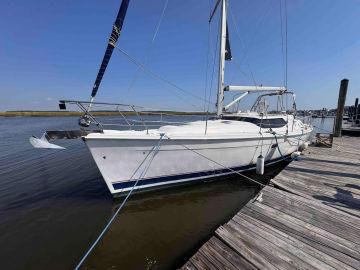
x=51 y=50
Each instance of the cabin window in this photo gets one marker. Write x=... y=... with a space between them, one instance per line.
x=263 y=123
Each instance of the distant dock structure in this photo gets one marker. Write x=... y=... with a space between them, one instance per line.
x=352 y=125
x=308 y=218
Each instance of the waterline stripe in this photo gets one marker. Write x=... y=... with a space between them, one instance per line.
x=203 y=174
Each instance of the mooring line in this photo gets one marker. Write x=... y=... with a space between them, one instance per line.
x=234 y=171
x=278 y=147
x=153 y=150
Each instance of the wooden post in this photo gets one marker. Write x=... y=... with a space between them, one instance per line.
x=356 y=111
x=340 y=107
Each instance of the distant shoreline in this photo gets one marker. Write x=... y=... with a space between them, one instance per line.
x=95 y=113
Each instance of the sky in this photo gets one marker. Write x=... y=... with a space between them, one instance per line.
x=51 y=50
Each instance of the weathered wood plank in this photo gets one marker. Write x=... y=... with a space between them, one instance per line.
x=333 y=192
x=294 y=257
x=307 y=229
x=320 y=159
x=328 y=187
x=329 y=173
x=307 y=194
x=216 y=262
x=188 y=266
x=312 y=222
x=318 y=205
x=330 y=170
x=305 y=247
x=314 y=207
x=229 y=257
x=333 y=153
x=317 y=242
x=314 y=217
x=200 y=262
x=245 y=248
x=327 y=159
x=324 y=181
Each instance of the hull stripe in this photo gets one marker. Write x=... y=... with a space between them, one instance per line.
x=169 y=178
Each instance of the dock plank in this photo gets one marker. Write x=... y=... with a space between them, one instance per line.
x=223 y=251
x=246 y=248
x=308 y=219
x=311 y=238
x=305 y=228
x=280 y=258
x=327 y=200
x=301 y=258
x=301 y=245
x=313 y=217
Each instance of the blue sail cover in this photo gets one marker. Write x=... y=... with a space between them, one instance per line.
x=228 y=55
x=115 y=33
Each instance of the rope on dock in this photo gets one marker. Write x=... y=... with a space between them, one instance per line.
x=154 y=150
x=338 y=146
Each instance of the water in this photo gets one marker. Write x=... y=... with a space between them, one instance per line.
x=54 y=203
x=323 y=125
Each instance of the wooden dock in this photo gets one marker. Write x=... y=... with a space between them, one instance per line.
x=351 y=130
x=307 y=218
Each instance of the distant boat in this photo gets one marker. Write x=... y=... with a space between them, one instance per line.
x=228 y=143
x=351 y=122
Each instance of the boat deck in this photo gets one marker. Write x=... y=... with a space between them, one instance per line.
x=308 y=219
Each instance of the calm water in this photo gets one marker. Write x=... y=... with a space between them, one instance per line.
x=324 y=125
x=53 y=204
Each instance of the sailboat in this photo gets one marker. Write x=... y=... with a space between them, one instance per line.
x=230 y=142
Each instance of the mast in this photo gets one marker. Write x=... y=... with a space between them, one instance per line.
x=220 y=96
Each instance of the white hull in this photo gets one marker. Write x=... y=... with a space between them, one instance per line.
x=119 y=154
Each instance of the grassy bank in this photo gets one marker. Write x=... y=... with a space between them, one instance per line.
x=95 y=113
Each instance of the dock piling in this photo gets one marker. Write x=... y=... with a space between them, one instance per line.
x=340 y=107
x=356 y=111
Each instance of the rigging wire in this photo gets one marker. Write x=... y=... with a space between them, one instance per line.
x=237 y=65
x=252 y=75
x=209 y=49
x=282 y=42
x=144 y=68
x=286 y=52
x=247 y=48
x=207 y=68
x=250 y=78
x=213 y=70
x=286 y=45
x=258 y=27
x=207 y=59
x=160 y=78
x=137 y=73
x=219 y=164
